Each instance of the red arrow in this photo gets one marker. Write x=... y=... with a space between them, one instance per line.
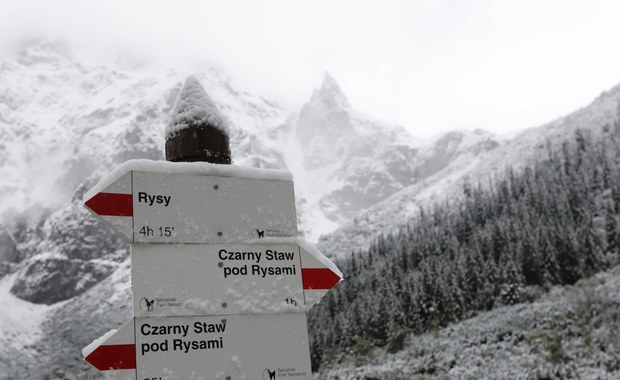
x=111 y=204
x=113 y=357
x=319 y=278
x=115 y=351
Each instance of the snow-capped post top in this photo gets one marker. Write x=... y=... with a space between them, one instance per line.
x=197 y=131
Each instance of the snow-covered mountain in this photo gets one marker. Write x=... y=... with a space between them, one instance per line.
x=63 y=121
x=478 y=157
x=350 y=161
x=64 y=274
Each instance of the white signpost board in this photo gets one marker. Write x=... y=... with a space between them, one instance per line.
x=227 y=278
x=232 y=347
x=165 y=202
x=220 y=281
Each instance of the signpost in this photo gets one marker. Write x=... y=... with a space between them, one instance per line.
x=220 y=281
x=166 y=202
x=206 y=347
x=223 y=279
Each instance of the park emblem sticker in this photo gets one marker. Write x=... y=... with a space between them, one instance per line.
x=269 y=374
x=259 y=233
x=272 y=374
x=146 y=304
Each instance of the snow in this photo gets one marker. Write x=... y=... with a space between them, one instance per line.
x=194 y=106
x=20 y=321
x=97 y=342
x=510 y=342
x=310 y=188
x=191 y=168
x=62 y=122
x=313 y=250
x=309 y=247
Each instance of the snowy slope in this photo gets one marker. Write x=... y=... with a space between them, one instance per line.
x=20 y=325
x=61 y=331
x=569 y=333
x=61 y=121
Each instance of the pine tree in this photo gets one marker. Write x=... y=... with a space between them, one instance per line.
x=531 y=265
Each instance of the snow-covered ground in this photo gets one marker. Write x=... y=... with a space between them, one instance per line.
x=20 y=321
x=570 y=332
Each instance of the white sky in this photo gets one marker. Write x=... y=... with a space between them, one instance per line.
x=429 y=65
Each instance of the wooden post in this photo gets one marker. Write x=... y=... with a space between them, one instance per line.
x=197 y=131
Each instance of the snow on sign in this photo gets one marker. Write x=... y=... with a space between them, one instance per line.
x=266 y=347
x=217 y=279
x=166 y=202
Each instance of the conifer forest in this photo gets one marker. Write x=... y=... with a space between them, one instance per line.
x=552 y=222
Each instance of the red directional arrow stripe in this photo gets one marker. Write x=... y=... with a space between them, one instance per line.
x=111 y=204
x=111 y=357
x=319 y=278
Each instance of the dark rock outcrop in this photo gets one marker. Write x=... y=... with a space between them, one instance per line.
x=59 y=278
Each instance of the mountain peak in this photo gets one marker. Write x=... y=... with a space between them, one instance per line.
x=330 y=94
x=329 y=81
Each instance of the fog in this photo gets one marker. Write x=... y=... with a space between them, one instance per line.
x=430 y=66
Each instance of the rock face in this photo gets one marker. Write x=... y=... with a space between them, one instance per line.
x=57 y=279
x=68 y=254
x=353 y=162
x=325 y=126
